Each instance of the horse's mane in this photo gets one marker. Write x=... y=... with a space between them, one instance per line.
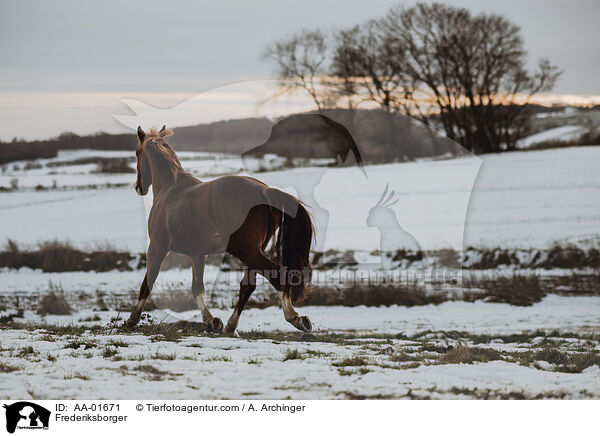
x=158 y=137
x=153 y=133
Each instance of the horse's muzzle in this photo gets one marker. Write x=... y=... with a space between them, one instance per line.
x=138 y=189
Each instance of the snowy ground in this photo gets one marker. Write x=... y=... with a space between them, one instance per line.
x=520 y=199
x=391 y=352
x=572 y=313
x=562 y=133
x=24 y=288
x=452 y=350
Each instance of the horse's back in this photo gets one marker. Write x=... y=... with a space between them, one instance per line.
x=205 y=214
x=232 y=198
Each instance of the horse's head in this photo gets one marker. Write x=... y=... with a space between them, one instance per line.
x=144 y=172
x=144 y=175
x=380 y=214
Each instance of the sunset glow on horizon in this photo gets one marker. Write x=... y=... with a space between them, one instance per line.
x=44 y=115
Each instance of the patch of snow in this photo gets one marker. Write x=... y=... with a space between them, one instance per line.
x=572 y=313
x=520 y=199
x=562 y=133
x=218 y=368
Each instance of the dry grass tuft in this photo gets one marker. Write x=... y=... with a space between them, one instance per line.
x=459 y=354
x=352 y=361
x=463 y=354
x=5 y=368
x=292 y=355
x=54 y=303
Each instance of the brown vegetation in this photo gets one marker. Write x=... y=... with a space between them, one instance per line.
x=57 y=256
x=54 y=303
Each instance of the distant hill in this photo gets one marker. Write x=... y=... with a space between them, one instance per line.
x=369 y=128
x=231 y=136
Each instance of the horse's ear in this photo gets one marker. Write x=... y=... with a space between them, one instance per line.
x=164 y=127
x=141 y=134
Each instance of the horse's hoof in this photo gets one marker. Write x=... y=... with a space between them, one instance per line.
x=130 y=323
x=305 y=323
x=233 y=334
x=230 y=330
x=216 y=325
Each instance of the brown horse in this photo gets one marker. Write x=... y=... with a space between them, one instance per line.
x=233 y=214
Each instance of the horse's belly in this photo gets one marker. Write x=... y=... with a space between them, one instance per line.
x=196 y=239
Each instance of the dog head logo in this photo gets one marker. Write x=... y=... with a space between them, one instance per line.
x=26 y=415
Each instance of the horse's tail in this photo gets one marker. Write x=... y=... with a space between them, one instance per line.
x=293 y=242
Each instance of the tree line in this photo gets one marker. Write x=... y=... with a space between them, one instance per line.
x=20 y=149
x=460 y=73
x=239 y=136
x=369 y=128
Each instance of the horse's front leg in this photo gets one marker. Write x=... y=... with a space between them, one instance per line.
x=154 y=258
x=198 y=263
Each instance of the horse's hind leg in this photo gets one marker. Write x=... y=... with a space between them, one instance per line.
x=198 y=263
x=154 y=258
x=302 y=323
x=247 y=287
x=272 y=272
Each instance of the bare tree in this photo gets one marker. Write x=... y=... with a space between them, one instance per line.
x=466 y=73
x=366 y=62
x=342 y=75
x=469 y=71
x=301 y=59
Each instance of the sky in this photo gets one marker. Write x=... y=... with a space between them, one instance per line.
x=66 y=65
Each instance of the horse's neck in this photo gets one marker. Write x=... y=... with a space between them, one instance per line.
x=163 y=171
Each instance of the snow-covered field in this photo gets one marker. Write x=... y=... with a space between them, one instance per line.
x=390 y=352
x=520 y=199
x=227 y=368
x=452 y=350
x=573 y=314
x=562 y=133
